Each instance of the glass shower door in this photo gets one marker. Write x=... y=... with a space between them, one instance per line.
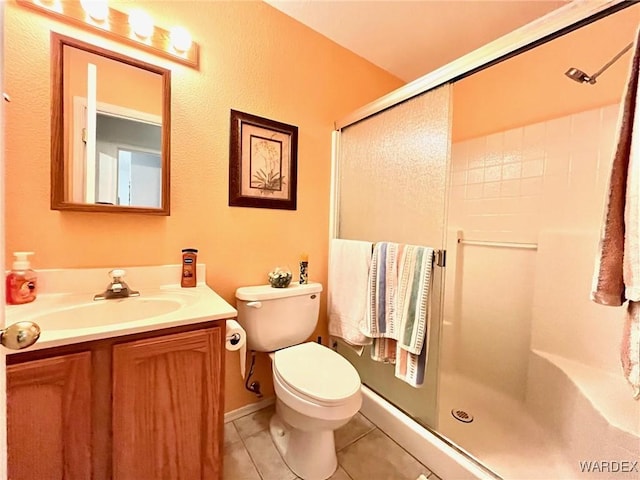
x=392 y=171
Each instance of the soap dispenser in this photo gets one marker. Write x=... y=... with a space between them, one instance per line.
x=21 y=281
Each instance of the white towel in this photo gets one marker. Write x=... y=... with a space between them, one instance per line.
x=349 y=262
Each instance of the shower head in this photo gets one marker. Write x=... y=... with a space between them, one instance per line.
x=581 y=77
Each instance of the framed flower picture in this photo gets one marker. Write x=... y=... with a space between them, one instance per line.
x=263 y=157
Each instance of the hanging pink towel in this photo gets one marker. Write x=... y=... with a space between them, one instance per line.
x=617 y=274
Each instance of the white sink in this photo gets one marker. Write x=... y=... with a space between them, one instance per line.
x=69 y=316
x=106 y=312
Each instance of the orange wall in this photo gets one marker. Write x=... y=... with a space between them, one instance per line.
x=532 y=87
x=253 y=59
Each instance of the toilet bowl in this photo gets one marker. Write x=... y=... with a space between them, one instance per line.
x=317 y=390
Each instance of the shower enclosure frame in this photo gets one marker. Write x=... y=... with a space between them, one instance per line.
x=427 y=447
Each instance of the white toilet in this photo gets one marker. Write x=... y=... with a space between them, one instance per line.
x=317 y=390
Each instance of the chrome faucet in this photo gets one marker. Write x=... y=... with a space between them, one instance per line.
x=118 y=288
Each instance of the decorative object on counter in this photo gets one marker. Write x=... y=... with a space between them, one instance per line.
x=189 y=259
x=304 y=269
x=263 y=157
x=280 y=277
x=21 y=284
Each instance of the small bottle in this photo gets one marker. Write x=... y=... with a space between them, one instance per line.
x=189 y=257
x=304 y=269
x=22 y=284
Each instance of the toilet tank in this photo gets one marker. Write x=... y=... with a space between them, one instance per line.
x=276 y=318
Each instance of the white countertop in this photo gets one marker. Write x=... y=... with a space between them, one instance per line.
x=68 y=317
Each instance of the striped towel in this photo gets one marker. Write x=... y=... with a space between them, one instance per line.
x=381 y=319
x=411 y=368
x=384 y=350
x=413 y=308
x=413 y=296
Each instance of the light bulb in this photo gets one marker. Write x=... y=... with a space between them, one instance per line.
x=180 y=39
x=53 y=5
x=96 y=9
x=141 y=23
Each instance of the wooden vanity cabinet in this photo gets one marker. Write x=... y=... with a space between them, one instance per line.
x=49 y=418
x=166 y=407
x=144 y=406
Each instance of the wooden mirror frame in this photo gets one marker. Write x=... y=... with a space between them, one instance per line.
x=58 y=173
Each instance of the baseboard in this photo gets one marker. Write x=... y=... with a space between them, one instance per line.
x=247 y=409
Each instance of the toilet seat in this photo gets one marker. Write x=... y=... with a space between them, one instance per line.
x=317 y=374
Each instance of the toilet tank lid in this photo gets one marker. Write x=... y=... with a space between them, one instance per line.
x=267 y=292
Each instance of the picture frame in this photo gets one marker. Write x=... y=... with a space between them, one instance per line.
x=263 y=158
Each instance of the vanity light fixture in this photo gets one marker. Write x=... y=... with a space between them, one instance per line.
x=98 y=10
x=54 y=5
x=180 y=39
x=141 y=23
x=136 y=29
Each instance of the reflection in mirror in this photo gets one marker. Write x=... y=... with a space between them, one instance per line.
x=128 y=166
x=110 y=131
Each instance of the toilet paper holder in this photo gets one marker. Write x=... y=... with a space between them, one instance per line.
x=234 y=338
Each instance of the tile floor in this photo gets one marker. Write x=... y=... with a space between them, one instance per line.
x=364 y=452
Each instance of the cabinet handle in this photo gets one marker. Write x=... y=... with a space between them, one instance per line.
x=20 y=335
x=254 y=304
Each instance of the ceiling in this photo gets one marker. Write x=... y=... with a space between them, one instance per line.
x=412 y=38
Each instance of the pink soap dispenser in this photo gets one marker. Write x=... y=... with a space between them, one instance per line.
x=21 y=281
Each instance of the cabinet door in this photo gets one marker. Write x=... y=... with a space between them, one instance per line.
x=167 y=407
x=49 y=418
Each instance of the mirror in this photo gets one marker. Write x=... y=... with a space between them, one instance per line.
x=110 y=132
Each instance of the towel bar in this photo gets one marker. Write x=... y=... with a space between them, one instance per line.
x=485 y=243
x=440 y=256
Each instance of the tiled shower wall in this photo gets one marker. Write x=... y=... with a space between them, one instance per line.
x=510 y=185
x=542 y=183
